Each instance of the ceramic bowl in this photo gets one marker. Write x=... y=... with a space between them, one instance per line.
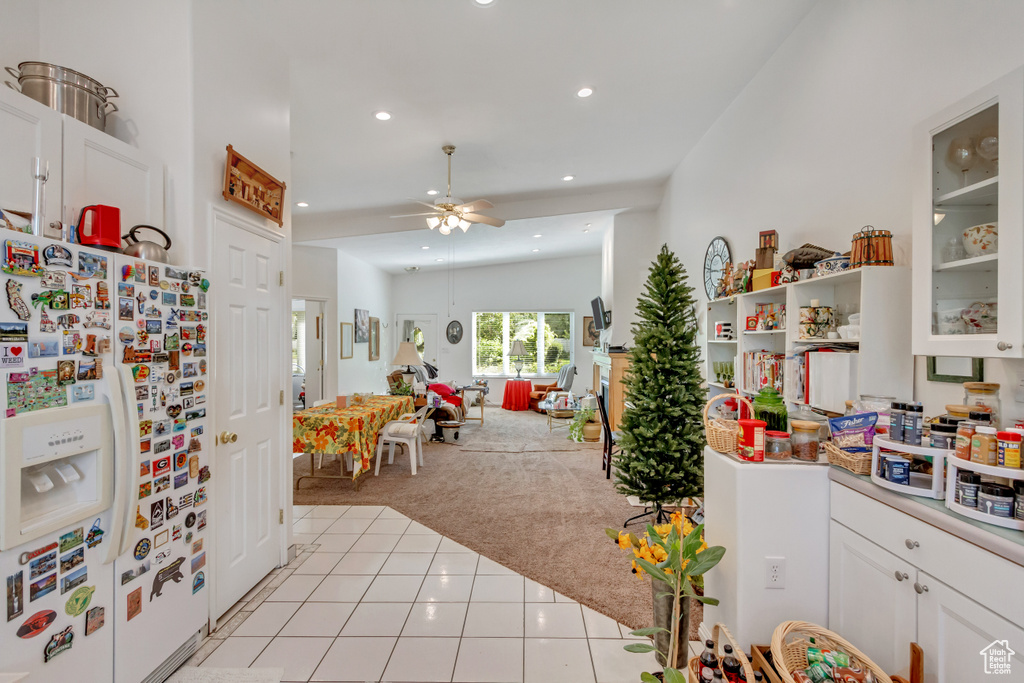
x=834 y=264
x=980 y=240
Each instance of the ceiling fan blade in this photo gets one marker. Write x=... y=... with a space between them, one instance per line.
x=429 y=206
x=409 y=215
x=474 y=206
x=480 y=218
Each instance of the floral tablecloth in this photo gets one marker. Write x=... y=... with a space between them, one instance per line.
x=328 y=429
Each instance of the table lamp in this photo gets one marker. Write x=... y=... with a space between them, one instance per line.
x=517 y=352
x=408 y=356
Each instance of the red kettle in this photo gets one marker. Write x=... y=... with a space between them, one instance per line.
x=104 y=230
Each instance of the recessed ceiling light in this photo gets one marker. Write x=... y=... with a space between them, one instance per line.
x=424 y=247
x=567 y=178
x=382 y=115
x=431 y=192
x=584 y=92
x=439 y=260
x=483 y=3
x=536 y=250
x=301 y=205
x=586 y=229
x=412 y=269
x=538 y=235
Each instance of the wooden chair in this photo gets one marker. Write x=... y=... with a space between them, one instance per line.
x=611 y=439
x=407 y=431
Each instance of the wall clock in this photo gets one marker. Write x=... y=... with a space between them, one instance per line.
x=454 y=332
x=715 y=261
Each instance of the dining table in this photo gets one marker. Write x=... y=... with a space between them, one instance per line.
x=351 y=430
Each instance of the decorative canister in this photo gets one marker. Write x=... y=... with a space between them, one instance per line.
x=834 y=264
x=815 y=321
x=769 y=406
x=980 y=240
x=871 y=247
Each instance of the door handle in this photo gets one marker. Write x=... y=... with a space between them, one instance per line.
x=911 y=544
x=228 y=437
x=1004 y=346
x=919 y=588
x=901 y=576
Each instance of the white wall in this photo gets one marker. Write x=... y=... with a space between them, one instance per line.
x=634 y=248
x=361 y=285
x=21 y=34
x=545 y=285
x=818 y=144
x=315 y=276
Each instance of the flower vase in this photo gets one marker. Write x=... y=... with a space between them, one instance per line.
x=663 y=619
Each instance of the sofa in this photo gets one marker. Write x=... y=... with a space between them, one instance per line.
x=563 y=383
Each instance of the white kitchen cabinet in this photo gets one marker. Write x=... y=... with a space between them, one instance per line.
x=100 y=169
x=27 y=130
x=953 y=630
x=948 y=199
x=872 y=602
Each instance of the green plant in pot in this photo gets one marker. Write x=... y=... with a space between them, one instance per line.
x=582 y=426
x=403 y=388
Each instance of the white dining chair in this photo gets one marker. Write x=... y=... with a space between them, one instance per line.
x=406 y=431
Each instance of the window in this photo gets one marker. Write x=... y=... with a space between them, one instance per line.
x=547 y=338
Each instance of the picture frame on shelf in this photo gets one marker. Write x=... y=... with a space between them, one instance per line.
x=346 y=340
x=374 y=339
x=591 y=336
x=362 y=331
x=247 y=184
x=955 y=369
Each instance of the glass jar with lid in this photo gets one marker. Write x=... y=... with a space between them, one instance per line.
x=769 y=406
x=805 y=413
x=777 y=446
x=805 y=440
x=985 y=395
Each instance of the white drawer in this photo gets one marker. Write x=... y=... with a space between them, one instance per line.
x=988 y=579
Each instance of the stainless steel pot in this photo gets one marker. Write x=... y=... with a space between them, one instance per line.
x=150 y=251
x=66 y=91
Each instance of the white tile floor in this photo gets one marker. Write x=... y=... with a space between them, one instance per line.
x=376 y=597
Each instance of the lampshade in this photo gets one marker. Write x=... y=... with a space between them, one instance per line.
x=444 y=229
x=407 y=355
x=464 y=224
x=433 y=222
x=451 y=221
x=517 y=348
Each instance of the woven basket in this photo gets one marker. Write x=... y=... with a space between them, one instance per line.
x=790 y=643
x=716 y=633
x=723 y=435
x=858 y=463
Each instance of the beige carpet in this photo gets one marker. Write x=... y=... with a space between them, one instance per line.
x=532 y=501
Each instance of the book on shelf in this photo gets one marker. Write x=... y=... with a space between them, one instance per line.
x=763 y=369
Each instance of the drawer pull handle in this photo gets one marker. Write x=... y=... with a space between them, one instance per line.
x=1004 y=346
x=912 y=544
x=919 y=588
x=900 y=576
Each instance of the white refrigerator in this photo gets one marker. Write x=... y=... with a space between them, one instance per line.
x=104 y=463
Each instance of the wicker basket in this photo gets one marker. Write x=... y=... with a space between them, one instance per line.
x=790 y=643
x=723 y=435
x=716 y=633
x=858 y=463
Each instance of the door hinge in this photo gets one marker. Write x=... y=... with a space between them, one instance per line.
x=280 y=516
x=280 y=277
x=281 y=397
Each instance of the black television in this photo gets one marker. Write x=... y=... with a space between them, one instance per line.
x=602 y=318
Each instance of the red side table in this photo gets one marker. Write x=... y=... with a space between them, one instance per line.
x=517 y=394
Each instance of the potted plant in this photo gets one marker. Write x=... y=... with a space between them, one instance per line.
x=402 y=388
x=583 y=427
x=676 y=558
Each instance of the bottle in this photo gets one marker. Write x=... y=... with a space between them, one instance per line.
x=964 y=435
x=984 y=445
x=758 y=677
x=896 y=416
x=717 y=678
x=708 y=658
x=730 y=665
x=913 y=422
x=707 y=675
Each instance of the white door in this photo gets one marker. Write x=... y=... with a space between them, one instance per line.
x=314 y=351
x=871 y=598
x=421 y=329
x=29 y=129
x=248 y=370
x=953 y=632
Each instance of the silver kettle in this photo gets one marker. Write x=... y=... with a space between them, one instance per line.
x=150 y=251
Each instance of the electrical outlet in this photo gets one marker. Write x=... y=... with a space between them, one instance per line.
x=774 y=572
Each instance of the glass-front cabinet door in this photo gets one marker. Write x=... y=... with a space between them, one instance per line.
x=968 y=224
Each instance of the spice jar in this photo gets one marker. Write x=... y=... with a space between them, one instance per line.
x=985 y=395
x=897 y=412
x=913 y=424
x=943 y=436
x=1018 y=506
x=984 y=445
x=967 y=485
x=964 y=434
x=1008 y=454
x=996 y=499
x=769 y=406
x=777 y=446
x=805 y=440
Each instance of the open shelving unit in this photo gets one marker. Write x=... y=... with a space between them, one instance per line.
x=923 y=485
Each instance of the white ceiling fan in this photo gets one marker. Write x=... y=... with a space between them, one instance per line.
x=450 y=212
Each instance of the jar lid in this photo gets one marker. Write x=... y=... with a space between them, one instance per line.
x=916 y=407
x=981 y=387
x=982 y=415
x=969 y=477
x=747 y=422
x=776 y=434
x=958 y=409
x=942 y=427
x=997 y=490
x=768 y=395
x=950 y=420
x=804 y=425
x=898 y=405
x=1009 y=436
x=982 y=429
x=1018 y=486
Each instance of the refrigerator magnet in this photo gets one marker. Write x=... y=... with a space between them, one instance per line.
x=16 y=600
x=91 y=265
x=154 y=276
x=161 y=538
x=45 y=323
x=102 y=301
x=176 y=532
x=162 y=484
x=15 y=300
x=125 y=309
x=95 y=536
x=72 y=539
x=198 y=562
x=142 y=549
x=60 y=642
x=140 y=521
x=94 y=620
x=36 y=624
x=55 y=255
x=171 y=572
x=134 y=603
x=145 y=489
x=97 y=319
x=198 y=581
x=171 y=509
x=79 y=600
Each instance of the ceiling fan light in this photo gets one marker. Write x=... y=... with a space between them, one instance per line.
x=444 y=229
x=433 y=222
x=452 y=221
x=464 y=224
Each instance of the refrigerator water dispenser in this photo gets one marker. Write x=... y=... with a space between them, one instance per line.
x=56 y=468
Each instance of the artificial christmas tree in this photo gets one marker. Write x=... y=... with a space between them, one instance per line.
x=662 y=426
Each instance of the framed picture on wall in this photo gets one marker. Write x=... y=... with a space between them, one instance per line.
x=346 y=340
x=591 y=336
x=362 y=325
x=955 y=370
x=374 y=338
